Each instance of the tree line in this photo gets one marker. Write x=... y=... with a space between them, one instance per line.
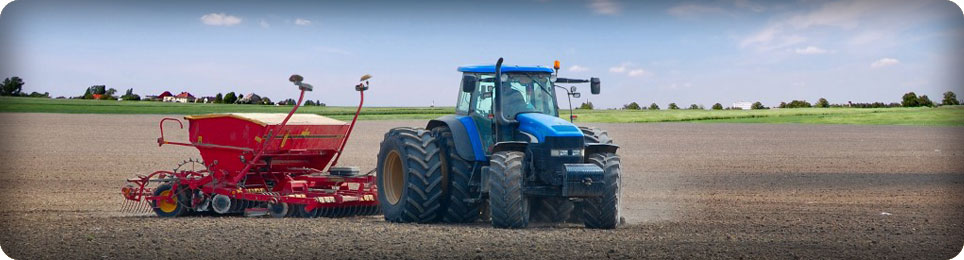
x=909 y=99
x=13 y=86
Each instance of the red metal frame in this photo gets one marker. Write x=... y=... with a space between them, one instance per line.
x=269 y=172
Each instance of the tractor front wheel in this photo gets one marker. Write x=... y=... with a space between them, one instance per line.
x=168 y=208
x=409 y=178
x=603 y=212
x=508 y=204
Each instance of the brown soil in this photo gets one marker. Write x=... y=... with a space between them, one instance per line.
x=690 y=190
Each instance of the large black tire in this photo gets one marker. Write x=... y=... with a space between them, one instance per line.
x=551 y=210
x=176 y=208
x=508 y=204
x=603 y=212
x=459 y=173
x=410 y=181
x=593 y=135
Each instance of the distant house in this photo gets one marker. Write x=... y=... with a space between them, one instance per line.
x=250 y=98
x=164 y=95
x=204 y=100
x=184 y=97
x=743 y=105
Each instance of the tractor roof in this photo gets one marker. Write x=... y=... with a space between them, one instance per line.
x=491 y=69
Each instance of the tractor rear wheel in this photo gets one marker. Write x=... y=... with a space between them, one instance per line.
x=410 y=181
x=551 y=210
x=603 y=212
x=508 y=204
x=458 y=209
x=168 y=208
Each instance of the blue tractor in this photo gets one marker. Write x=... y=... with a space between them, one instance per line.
x=505 y=154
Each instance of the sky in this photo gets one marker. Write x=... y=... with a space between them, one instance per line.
x=687 y=52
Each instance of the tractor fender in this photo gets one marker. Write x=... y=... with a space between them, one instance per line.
x=601 y=148
x=510 y=146
x=470 y=149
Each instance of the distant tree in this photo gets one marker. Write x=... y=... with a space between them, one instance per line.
x=309 y=103
x=654 y=106
x=230 y=98
x=717 y=106
x=783 y=105
x=822 y=103
x=218 y=99
x=757 y=105
x=266 y=101
x=673 y=106
x=240 y=97
x=694 y=107
x=950 y=99
x=11 y=86
x=924 y=101
x=288 y=102
x=39 y=95
x=632 y=106
x=798 y=104
x=129 y=95
x=910 y=100
x=586 y=106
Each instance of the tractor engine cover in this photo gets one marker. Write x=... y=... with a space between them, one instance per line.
x=583 y=180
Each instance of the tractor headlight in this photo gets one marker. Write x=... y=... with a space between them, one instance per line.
x=565 y=152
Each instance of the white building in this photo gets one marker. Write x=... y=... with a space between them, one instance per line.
x=743 y=105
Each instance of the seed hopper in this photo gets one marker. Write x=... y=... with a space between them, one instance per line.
x=259 y=164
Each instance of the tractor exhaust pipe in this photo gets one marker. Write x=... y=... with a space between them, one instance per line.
x=498 y=97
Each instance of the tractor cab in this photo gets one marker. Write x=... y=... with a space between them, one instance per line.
x=523 y=90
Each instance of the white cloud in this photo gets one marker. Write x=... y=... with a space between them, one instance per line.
x=264 y=24
x=748 y=5
x=727 y=8
x=630 y=69
x=577 y=68
x=638 y=72
x=604 y=7
x=846 y=15
x=302 y=22
x=220 y=19
x=620 y=69
x=694 y=10
x=884 y=63
x=763 y=36
x=810 y=50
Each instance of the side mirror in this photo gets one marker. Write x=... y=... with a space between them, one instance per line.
x=468 y=83
x=594 y=85
x=576 y=95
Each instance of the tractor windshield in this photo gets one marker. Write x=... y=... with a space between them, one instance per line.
x=528 y=92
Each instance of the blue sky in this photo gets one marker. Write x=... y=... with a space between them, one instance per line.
x=699 y=52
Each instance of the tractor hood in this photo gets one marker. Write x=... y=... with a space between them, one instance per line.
x=542 y=125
